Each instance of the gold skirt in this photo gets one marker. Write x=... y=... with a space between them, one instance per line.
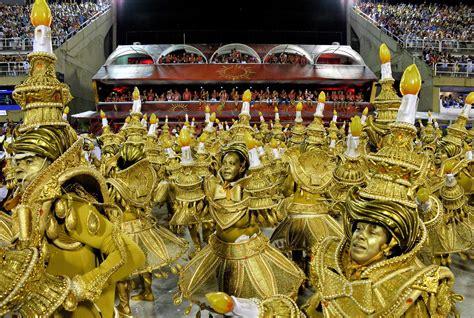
x=252 y=268
x=160 y=245
x=305 y=226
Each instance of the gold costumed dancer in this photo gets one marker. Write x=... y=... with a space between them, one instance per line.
x=190 y=207
x=135 y=188
x=68 y=250
x=453 y=159
x=311 y=168
x=239 y=259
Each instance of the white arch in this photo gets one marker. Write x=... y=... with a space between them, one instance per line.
x=342 y=50
x=225 y=49
x=126 y=50
x=185 y=47
x=289 y=48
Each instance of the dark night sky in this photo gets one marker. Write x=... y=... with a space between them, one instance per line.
x=291 y=21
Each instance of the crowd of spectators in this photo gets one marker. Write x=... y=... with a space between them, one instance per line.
x=447 y=63
x=235 y=56
x=15 y=25
x=13 y=64
x=270 y=97
x=286 y=58
x=6 y=58
x=182 y=57
x=450 y=101
x=433 y=21
x=432 y=57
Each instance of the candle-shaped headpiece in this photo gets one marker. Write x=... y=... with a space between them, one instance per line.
x=41 y=18
x=153 y=122
x=410 y=85
x=277 y=114
x=320 y=106
x=104 y=118
x=365 y=112
x=65 y=112
x=137 y=103
x=299 y=108
x=386 y=68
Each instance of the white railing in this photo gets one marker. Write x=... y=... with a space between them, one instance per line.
x=454 y=69
x=14 y=68
x=439 y=45
x=26 y=44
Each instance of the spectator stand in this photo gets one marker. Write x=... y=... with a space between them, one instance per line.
x=235 y=53
x=186 y=53
x=281 y=54
x=429 y=28
x=16 y=32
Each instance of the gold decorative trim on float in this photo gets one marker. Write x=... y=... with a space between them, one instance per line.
x=179 y=107
x=236 y=72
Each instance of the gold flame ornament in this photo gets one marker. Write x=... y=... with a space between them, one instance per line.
x=250 y=141
x=384 y=54
x=153 y=119
x=322 y=97
x=220 y=302
x=247 y=96
x=410 y=83
x=213 y=117
x=184 y=138
x=299 y=106
x=356 y=126
x=423 y=194
x=470 y=98
x=136 y=93
x=41 y=14
x=203 y=137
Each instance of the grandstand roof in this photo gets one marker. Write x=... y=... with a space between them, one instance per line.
x=234 y=73
x=115 y=71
